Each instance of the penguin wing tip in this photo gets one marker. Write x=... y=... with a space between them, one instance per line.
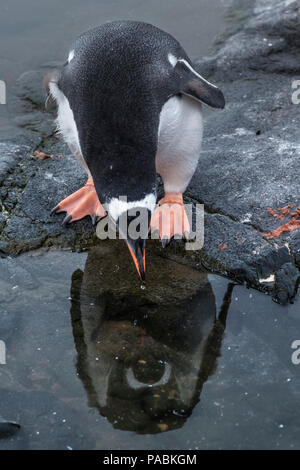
x=52 y=77
x=222 y=102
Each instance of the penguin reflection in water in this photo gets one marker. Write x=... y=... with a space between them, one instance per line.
x=144 y=355
x=129 y=106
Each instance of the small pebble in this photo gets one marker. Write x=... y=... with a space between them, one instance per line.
x=163 y=427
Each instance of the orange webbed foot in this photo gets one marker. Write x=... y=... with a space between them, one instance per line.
x=170 y=219
x=80 y=204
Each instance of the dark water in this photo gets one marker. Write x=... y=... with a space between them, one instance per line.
x=189 y=362
x=95 y=361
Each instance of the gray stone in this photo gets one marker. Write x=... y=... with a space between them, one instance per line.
x=29 y=87
x=38 y=122
x=287 y=279
x=250 y=153
x=10 y=154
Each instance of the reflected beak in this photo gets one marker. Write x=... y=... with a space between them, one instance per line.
x=137 y=251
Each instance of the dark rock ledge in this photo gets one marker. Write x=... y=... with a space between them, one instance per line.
x=249 y=161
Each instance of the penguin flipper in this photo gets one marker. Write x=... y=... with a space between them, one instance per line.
x=51 y=77
x=192 y=84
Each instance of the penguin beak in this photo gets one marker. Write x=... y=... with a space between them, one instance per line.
x=137 y=251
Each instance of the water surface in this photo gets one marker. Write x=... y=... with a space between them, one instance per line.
x=191 y=361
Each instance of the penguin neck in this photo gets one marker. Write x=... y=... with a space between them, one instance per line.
x=117 y=206
x=124 y=178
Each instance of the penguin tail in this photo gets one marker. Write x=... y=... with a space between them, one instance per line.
x=194 y=85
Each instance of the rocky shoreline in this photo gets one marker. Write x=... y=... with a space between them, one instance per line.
x=248 y=162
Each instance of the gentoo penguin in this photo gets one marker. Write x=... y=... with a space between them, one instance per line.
x=129 y=106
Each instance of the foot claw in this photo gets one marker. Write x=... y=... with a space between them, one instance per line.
x=54 y=210
x=95 y=219
x=186 y=236
x=165 y=242
x=66 y=220
x=80 y=204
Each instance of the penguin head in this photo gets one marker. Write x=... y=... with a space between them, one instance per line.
x=125 y=181
x=133 y=223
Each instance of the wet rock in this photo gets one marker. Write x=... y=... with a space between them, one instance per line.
x=269 y=36
x=37 y=122
x=293 y=241
x=26 y=108
x=43 y=184
x=250 y=153
x=249 y=161
x=286 y=283
x=29 y=87
x=10 y=155
x=247 y=257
